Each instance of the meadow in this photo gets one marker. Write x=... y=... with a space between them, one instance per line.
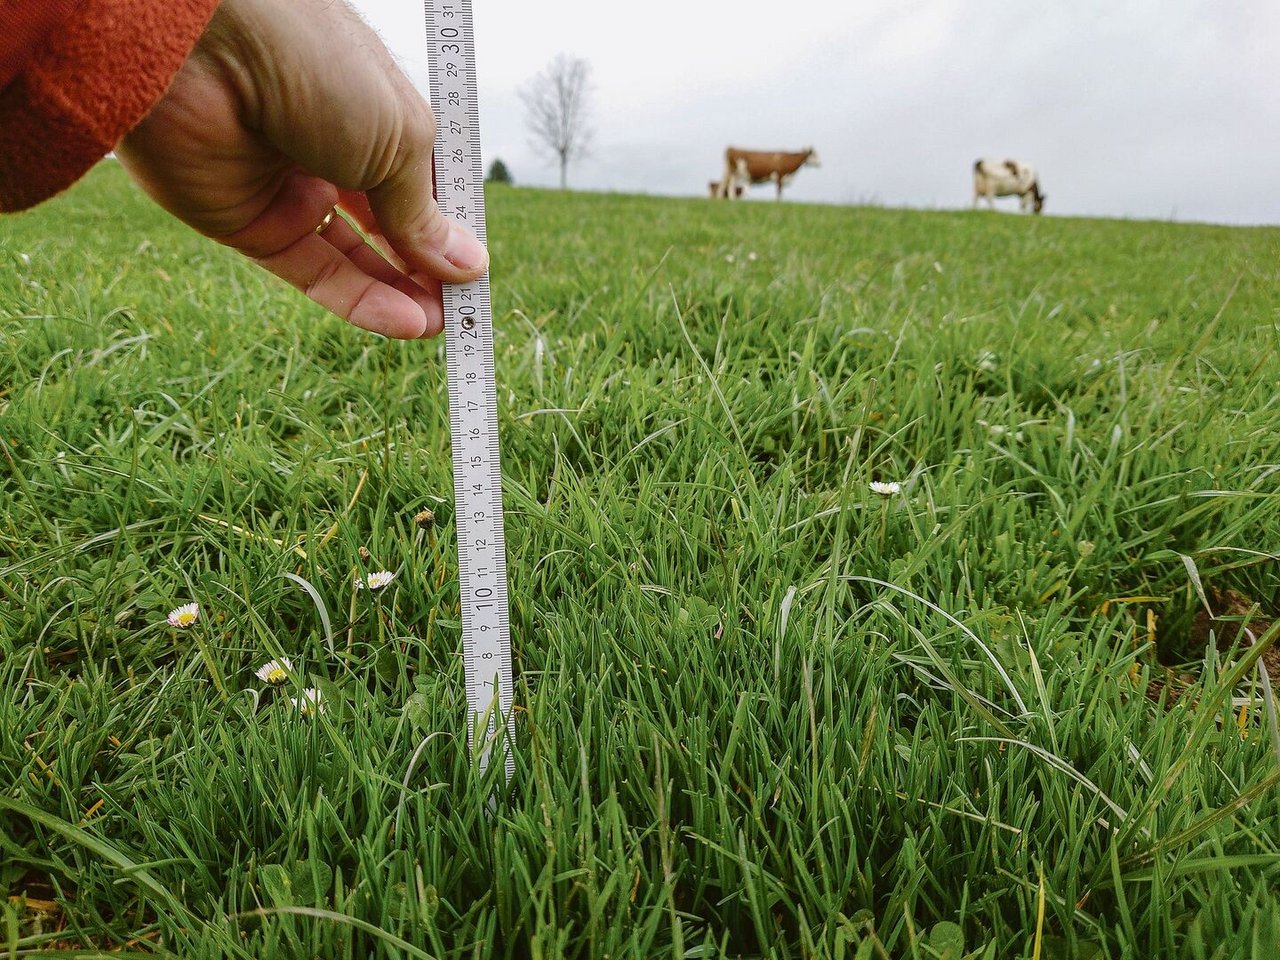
x=763 y=711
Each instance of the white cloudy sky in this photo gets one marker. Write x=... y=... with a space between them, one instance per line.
x=1146 y=108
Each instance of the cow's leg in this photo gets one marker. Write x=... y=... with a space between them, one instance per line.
x=726 y=181
x=742 y=175
x=777 y=182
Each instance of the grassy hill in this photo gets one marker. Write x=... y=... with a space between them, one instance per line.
x=763 y=710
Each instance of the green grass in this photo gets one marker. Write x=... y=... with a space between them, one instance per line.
x=763 y=712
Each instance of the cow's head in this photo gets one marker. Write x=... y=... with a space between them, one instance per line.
x=812 y=158
x=1037 y=197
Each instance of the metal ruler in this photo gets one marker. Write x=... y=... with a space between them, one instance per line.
x=473 y=389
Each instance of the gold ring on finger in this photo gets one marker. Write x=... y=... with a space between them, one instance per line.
x=328 y=219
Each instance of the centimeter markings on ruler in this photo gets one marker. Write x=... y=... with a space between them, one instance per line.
x=473 y=389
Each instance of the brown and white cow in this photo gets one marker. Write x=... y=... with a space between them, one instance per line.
x=745 y=167
x=1007 y=178
x=713 y=189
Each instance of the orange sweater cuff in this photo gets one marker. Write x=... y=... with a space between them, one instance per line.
x=23 y=25
x=91 y=81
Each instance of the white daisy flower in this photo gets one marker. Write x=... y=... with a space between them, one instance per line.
x=886 y=488
x=729 y=258
x=1000 y=430
x=309 y=704
x=184 y=616
x=752 y=256
x=987 y=361
x=375 y=581
x=275 y=672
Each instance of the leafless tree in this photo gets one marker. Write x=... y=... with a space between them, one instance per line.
x=559 y=103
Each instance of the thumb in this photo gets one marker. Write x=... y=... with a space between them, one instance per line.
x=409 y=217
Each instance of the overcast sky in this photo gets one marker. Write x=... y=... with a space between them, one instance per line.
x=1141 y=108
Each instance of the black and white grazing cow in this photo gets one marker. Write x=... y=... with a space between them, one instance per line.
x=1007 y=178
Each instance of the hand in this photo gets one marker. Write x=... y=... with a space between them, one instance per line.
x=284 y=109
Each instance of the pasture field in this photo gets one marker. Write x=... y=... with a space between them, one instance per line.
x=764 y=711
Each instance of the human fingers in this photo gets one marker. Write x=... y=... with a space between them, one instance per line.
x=339 y=235
x=409 y=217
x=331 y=279
x=345 y=113
x=356 y=205
x=335 y=270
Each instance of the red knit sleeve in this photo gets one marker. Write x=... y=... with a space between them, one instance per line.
x=82 y=82
x=23 y=24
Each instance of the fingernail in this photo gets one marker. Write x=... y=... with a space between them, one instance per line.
x=466 y=252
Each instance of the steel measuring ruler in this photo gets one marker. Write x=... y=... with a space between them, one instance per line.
x=473 y=388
